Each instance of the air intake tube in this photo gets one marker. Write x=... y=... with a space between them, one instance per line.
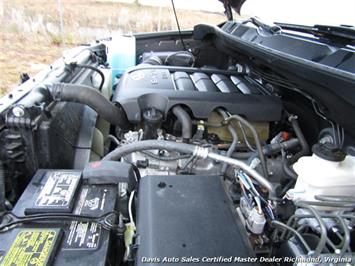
x=64 y=92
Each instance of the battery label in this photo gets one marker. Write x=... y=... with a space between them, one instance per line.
x=86 y=235
x=82 y=235
x=58 y=190
x=31 y=247
x=92 y=201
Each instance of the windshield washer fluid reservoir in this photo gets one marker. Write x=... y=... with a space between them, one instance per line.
x=121 y=53
x=319 y=176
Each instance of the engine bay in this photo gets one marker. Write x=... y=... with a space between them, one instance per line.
x=189 y=156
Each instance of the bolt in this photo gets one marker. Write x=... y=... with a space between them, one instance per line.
x=18 y=111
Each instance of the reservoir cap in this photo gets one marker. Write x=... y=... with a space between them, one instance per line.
x=328 y=151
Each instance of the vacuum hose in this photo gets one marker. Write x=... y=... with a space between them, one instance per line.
x=63 y=92
x=304 y=145
x=234 y=135
x=261 y=156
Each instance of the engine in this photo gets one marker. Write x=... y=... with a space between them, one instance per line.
x=201 y=91
x=186 y=103
x=182 y=162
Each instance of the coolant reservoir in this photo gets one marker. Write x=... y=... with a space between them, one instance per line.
x=326 y=172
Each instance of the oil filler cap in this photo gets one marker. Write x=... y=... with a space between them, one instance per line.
x=328 y=151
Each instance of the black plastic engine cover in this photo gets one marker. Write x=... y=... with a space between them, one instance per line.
x=187 y=218
x=201 y=90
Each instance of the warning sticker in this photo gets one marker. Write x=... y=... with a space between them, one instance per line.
x=86 y=235
x=58 y=190
x=82 y=235
x=92 y=201
x=31 y=247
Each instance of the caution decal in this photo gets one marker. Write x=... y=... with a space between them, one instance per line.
x=32 y=247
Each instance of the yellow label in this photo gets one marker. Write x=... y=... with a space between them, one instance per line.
x=32 y=247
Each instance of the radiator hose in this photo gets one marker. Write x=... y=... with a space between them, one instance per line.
x=64 y=92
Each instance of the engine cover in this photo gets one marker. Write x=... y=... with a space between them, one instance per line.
x=187 y=218
x=201 y=90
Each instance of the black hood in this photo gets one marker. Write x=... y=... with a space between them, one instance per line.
x=232 y=4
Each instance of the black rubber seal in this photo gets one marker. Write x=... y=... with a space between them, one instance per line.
x=328 y=151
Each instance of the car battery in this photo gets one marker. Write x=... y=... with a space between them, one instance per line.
x=61 y=241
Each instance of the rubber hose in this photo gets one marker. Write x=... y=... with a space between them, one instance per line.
x=152 y=60
x=301 y=138
x=185 y=120
x=268 y=150
x=92 y=98
x=97 y=71
x=288 y=170
x=275 y=148
x=149 y=145
x=234 y=135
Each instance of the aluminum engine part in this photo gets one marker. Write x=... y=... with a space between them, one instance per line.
x=255 y=221
x=151 y=166
x=148 y=165
x=262 y=129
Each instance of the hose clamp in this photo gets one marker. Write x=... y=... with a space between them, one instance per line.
x=292 y=117
x=201 y=152
x=57 y=91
